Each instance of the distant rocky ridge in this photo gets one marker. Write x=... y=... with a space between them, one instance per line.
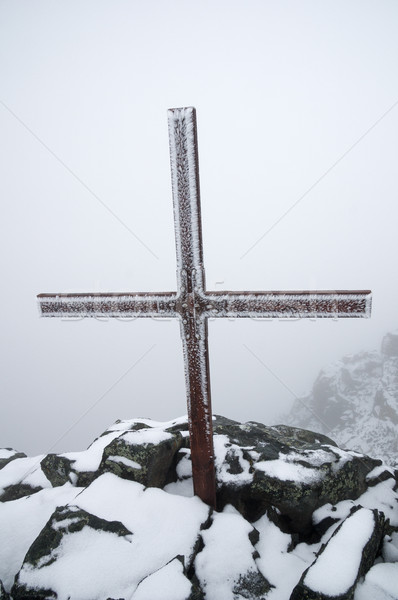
x=355 y=402
x=119 y=520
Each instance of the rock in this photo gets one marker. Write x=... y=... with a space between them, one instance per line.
x=226 y=566
x=21 y=522
x=134 y=456
x=66 y=522
x=57 y=469
x=282 y=492
x=344 y=559
x=9 y=454
x=116 y=538
x=13 y=492
x=355 y=401
x=291 y=469
x=389 y=344
x=21 y=477
x=381 y=581
x=3 y=593
x=168 y=583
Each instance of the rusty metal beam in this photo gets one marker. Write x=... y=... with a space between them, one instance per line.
x=191 y=285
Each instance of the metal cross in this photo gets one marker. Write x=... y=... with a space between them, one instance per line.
x=193 y=305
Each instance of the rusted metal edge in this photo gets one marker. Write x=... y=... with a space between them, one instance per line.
x=291 y=293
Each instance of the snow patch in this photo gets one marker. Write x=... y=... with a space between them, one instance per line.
x=285 y=470
x=124 y=461
x=168 y=583
x=342 y=555
x=21 y=522
x=227 y=555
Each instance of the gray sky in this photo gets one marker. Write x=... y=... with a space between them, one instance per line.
x=297 y=105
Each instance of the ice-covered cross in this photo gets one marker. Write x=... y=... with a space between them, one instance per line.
x=193 y=305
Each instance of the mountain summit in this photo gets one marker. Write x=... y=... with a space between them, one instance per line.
x=355 y=402
x=297 y=518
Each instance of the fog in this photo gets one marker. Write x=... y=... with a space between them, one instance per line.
x=297 y=108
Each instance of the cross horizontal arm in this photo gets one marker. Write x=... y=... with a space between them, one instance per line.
x=295 y=304
x=121 y=305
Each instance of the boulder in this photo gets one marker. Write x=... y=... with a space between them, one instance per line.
x=143 y=455
x=21 y=476
x=57 y=469
x=115 y=539
x=282 y=492
x=226 y=567
x=32 y=582
x=3 y=593
x=291 y=469
x=344 y=559
x=168 y=583
x=7 y=455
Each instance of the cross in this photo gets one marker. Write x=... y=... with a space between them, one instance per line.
x=193 y=305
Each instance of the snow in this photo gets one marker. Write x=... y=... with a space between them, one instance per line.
x=146 y=436
x=90 y=459
x=166 y=524
x=227 y=554
x=156 y=514
x=283 y=569
x=30 y=514
x=124 y=461
x=384 y=498
x=377 y=471
x=390 y=547
x=181 y=488
x=342 y=555
x=126 y=424
x=339 y=511
x=168 y=583
x=281 y=468
x=184 y=485
x=224 y=448
x=24 y=470
x=315 y=457
x=163 y=527
x=7 y=452
x=380 y=583
x=93 y=557
x=184 y=467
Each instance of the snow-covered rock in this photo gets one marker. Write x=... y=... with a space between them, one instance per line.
x=355 y=402
x=114 y=535
x=230 y=535
x=350 y=553
x=291 y=469
x=119 y=520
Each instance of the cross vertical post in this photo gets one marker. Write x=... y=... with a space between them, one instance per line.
x=190 y=288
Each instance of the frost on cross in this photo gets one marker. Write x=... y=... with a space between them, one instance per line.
x=193 y=305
